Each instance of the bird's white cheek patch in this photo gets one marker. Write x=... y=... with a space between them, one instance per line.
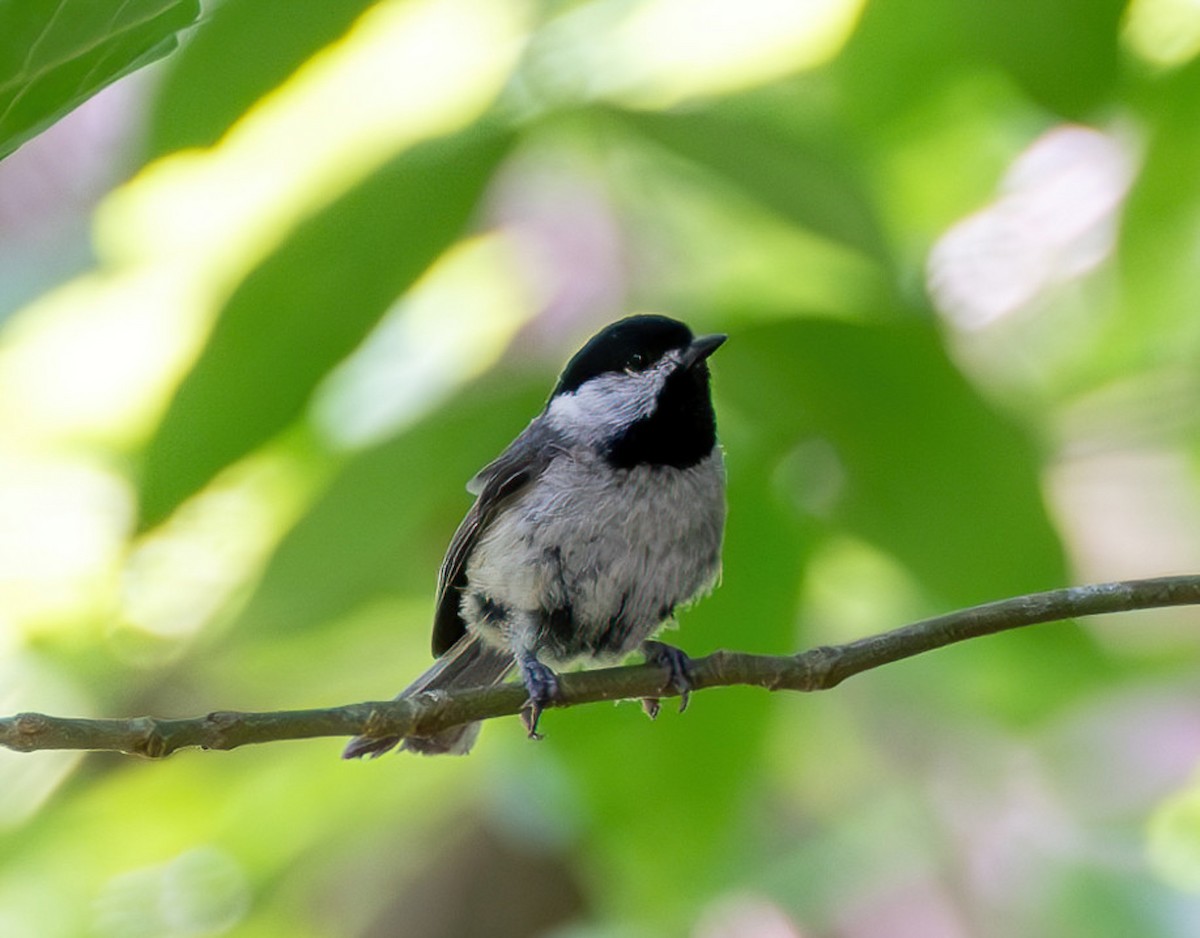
x=566 y=410
x=609 y=403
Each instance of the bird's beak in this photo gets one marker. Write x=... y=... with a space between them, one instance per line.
x=701 y=348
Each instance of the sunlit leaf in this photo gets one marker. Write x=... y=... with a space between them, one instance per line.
x=310 y=304
x=807 y=183
x=53 y=57
x=1158 y=236
x=246 y=48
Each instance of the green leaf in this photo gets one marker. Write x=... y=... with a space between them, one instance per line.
x=53 y=57
x=903 y=53
x=382 y=525
x=773 y=162
x=909 y=433
x=932 y=476
x=247 y=47
x=1157 y=252
x=310 y=304
x=1063 y=53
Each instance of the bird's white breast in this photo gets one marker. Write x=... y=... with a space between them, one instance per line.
x=604 y=543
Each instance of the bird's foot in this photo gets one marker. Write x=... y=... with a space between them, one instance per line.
x=542 y=684
x=678 y=669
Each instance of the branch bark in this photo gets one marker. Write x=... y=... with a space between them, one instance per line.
x=816 y=669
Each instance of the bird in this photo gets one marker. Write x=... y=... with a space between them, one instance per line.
x=599 y=520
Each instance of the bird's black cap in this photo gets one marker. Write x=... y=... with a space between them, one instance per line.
x=630 y=344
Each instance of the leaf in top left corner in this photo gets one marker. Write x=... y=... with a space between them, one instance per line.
x=56 y=55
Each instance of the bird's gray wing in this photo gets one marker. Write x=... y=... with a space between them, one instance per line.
x=496 y=484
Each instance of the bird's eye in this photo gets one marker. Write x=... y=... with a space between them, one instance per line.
x=637 y=361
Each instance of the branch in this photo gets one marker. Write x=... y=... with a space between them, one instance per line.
x=817 y=669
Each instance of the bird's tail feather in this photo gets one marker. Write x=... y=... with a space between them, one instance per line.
x=469 y=662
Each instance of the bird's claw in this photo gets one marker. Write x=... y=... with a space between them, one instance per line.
x=678 y=668
x=542 y=684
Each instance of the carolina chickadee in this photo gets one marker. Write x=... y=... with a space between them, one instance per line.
x=597 y=521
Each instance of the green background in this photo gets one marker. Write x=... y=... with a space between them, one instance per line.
x=245 y=376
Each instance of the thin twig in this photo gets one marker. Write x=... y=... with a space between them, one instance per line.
x=817 y=669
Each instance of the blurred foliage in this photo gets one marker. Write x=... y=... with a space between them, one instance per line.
x=275 y=338
x=955 y=248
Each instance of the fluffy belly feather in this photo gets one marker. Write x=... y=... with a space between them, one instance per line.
x=599 y=565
